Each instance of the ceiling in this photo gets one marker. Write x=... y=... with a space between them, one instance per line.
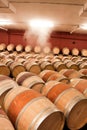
x=67 y=15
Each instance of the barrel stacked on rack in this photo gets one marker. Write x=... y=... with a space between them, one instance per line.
x=42 y=90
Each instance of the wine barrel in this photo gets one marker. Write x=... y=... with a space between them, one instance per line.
x=70 y=73
x=53 y=88
x=16 y=68
x=9 y=64
x=28 y=48
x=65 y=58
x=34 y=82
x=2 y=46
x=20 y=60
x=2 y=56
x=45 y=65
x=60 y=56
x=29 y=55
x=59 y=78
x=74 y=106
x=42 y=60
x=10 y=47
x=56 y=50
x=10 y=56
x=22 y=76
x=30 y=59
x=54 y=60
x=75 y=52
x=4 y=70
x=85 y=93
x=46 y=50
x=49 y=57
x=39 y=57
x=37 y=49
x=7 y=61
x=20 y=55
x=5 y=123
x=66 y=61
x=45 y=74
x=19 y=48
x=83 y=65
x=4 y=52
x=41 y=113
x=59 y=66
x=78 y=62
x=66 y=72
x=68 y=100
x=65 y=51
x=84 y=52
x=72 y=65
x=6 y=83
x=84 y=59
x=83 y=71
x=79 y=84
x=75 y=58
x=33 y=67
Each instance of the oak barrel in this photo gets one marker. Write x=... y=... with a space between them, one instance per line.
x=70 y=101
x=34 y=82
x=59 y=66
x=84 y=52
x=70 y=73
x=6 y=83
x=46 y=65
x=46 y=50
x=56 y=50
x=2 y=46
x=22 y=76
x=74 y=106
x=4 y=69
x=10 y=47
x=5 y=123
x=16 y=68
x=59 y=78
x=45 y=74
x=41 y=113
x=83 y=65
x=37 y=49
x=53 y=88
x=28 y=48
x=72 y=65
x=83 y=71
x=75 y=52
x=19 y=48
x=79 y=84
x=33 y=67
x=65 y=51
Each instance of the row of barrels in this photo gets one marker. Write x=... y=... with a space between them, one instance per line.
x=13 y=64
x=27 y=109
x=67 y=96
x=45 y=98
x=44 y=101
x=46 y=50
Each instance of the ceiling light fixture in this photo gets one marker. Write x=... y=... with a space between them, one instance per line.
x=83 y=26
x=5 y=22
x=41 y=23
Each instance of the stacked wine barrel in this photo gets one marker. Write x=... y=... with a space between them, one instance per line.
x=46 y=50
x=43 y=89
